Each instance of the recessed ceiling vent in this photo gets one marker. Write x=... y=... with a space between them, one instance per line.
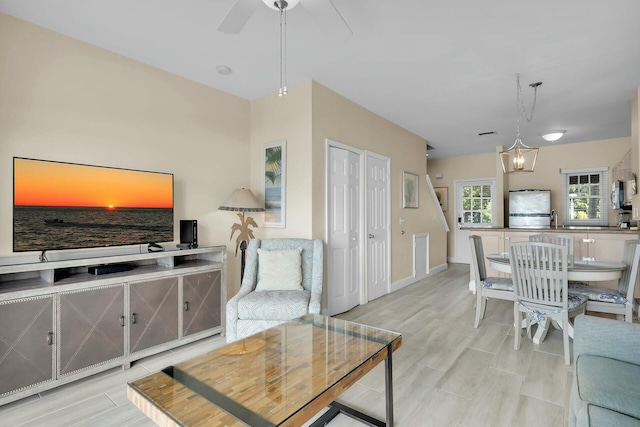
x=493 y=132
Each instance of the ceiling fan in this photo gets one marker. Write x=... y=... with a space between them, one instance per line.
x=323 y=11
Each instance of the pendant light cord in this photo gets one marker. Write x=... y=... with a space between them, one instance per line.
x=282 y=6
x=284 y=49
x=520 y=103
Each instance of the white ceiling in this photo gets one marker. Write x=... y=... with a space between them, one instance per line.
x=444 y=70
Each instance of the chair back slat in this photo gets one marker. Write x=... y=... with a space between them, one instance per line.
x=556 y=239
x=477 y=257
x=631 y=257
x=539 y=273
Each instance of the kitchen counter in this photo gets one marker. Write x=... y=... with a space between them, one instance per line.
x=568 y=229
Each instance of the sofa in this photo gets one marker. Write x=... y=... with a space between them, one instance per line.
x=606 y=382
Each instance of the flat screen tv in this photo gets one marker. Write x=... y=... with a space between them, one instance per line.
x=60 y=205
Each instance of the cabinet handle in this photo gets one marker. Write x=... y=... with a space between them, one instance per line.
x=588 y=240
x=186 y=306
x=121 y=321
x=49 y=338
x=133 y=318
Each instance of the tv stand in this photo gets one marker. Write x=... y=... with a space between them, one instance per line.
x=75 y=324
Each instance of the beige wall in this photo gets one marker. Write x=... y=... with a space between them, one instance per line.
x=455 y=169
x=286 y=118
x=546 y=175
x=604 y=153
x=61 y=99
x=344 y=121
x=305 y=118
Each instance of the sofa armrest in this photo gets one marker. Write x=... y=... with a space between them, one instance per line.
x=317 y=274
x=248 y=285
x=232 y=314
x=606 y=338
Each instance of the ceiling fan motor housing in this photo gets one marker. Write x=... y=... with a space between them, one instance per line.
x=281 y=4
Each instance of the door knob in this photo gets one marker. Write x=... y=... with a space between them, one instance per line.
x=371 y=236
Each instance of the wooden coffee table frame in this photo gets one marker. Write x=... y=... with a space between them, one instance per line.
x=174 y=397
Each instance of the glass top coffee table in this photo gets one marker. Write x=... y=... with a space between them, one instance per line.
x=283 y=376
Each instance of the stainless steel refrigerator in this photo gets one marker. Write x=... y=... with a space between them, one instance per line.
x=530 y=209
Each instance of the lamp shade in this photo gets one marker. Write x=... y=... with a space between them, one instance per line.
x=242 y=200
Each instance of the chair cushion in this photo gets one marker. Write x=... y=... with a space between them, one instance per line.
x=609 y=384
x=598 y=294
x=576 y=300
x=279 y=270
x=273 y=305
x=498 y=283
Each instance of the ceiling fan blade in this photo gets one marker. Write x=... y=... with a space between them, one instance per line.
x=238 y=16
x=328 y=18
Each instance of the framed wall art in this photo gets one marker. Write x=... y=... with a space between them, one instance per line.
x=409 y=190
x=275 y=172
x=442 y=193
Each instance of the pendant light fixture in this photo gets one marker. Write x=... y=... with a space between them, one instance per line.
x=520 y=157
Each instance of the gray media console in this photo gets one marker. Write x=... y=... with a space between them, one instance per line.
x=60 y=323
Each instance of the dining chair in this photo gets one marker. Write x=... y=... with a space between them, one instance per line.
x=540 y=286
x=620 y=301
x=556 y=239
x=486 y=287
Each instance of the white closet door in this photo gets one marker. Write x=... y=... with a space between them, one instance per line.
x=343 y=243
x=378 y=226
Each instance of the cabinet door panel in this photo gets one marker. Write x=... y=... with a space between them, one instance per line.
x=26 y=343
x=154 y=313
x=607 y=246
x=91 y=328
x=581 y=245
x=201 y=302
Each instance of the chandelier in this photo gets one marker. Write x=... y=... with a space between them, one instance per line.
x=520 y=157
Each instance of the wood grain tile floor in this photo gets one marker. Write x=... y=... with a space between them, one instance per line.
x=446 y=373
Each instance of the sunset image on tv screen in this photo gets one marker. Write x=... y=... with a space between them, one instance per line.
x=64 y=205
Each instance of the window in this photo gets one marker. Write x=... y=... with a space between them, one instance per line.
x=477 y=206
x=586 y=195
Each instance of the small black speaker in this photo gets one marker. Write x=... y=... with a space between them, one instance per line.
x=189 y=232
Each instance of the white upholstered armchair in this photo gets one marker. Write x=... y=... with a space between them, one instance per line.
x=252 y=310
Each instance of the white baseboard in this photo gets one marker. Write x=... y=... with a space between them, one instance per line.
x=396 y=286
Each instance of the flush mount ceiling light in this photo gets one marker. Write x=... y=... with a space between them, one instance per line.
x=520 y=157
x=552 y=135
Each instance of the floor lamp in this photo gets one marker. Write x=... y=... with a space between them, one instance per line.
x=242 y=200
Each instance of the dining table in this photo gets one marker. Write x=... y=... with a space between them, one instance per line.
x=580 y=269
